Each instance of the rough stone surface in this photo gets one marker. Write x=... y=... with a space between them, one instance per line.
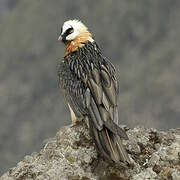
x=72 y=155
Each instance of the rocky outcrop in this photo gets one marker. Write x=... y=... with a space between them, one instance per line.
x=72 y=155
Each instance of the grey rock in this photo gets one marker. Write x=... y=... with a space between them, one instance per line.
x=153 y=160
x=72 y=155
x=176 y=175
x=146 y=174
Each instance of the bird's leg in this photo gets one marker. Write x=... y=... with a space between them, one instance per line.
x=73 y=117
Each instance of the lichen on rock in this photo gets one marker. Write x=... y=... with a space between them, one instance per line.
x=72 y=155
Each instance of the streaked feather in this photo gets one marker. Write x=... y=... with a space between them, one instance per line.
x=110 y=143
x=91 y=89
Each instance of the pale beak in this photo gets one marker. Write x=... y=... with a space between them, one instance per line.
x=60 y=38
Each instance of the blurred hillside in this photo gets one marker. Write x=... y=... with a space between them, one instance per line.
x=140 y=37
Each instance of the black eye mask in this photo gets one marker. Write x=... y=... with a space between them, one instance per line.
x=66 y=33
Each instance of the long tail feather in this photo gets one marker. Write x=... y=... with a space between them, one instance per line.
x=109 y=144
x=122 y=152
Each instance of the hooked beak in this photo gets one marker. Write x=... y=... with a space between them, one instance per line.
x=60 y=38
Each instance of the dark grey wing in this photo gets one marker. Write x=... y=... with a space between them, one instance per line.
x=104 y=89
x=103 y=92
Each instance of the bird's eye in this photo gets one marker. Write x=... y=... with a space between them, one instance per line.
x=70 y=30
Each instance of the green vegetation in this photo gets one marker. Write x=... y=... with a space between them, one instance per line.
x=140 y=37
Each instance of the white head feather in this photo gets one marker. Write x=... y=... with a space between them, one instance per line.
x=78 y=28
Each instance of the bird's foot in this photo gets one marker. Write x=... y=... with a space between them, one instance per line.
x=73 y=125
x=76 y=123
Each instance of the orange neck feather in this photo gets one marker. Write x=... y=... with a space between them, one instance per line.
x=73 y=45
